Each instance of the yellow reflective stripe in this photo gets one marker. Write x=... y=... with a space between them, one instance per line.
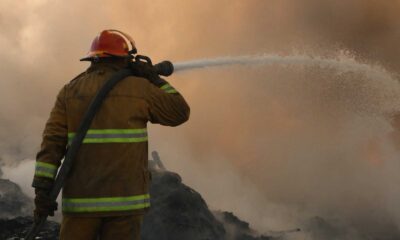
x=106 y=209
x=106 y=199
x=172 y=91
x=113 y=136
x=168 y=88
x=115 y=140
x=44 y=174
x=43 y=169
x=46 y=165
x=165 y=86
x=106 y=204
x=112 y=131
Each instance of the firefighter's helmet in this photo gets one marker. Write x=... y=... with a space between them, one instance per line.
x=111 y=43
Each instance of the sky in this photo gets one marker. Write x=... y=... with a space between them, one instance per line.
x=276 y=145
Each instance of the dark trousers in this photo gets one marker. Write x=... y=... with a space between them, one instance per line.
x=101 y=228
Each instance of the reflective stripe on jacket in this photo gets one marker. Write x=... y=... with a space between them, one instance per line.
x=113 y=135
x=110 y=174
x=106 y=204
x=45 y=170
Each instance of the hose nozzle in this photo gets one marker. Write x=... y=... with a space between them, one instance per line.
x=164 y=68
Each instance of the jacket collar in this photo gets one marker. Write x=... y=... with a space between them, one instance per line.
x=115 y=66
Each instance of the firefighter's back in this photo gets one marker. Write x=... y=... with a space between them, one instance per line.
x=111 y=167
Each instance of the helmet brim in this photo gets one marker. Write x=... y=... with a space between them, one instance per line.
x=92 y=56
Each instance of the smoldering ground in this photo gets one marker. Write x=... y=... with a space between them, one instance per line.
x=276 y=145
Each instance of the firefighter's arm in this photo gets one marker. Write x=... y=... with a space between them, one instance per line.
x=166 y=105
x=53 y=147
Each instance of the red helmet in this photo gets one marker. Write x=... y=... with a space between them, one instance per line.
x=111 y=43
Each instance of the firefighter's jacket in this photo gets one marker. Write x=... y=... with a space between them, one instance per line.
x=110 y=174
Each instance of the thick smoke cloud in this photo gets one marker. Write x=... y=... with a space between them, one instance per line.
x=276 y=145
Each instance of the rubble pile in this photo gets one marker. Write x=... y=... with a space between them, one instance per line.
x=16 y=228
x=178 y=212
x=237 y=229
x=13 y=202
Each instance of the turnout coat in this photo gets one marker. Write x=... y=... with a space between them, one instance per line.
x=110 y=175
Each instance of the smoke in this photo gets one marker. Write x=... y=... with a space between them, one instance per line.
x=276 y=145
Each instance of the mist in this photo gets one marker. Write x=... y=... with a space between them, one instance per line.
x=277 y=145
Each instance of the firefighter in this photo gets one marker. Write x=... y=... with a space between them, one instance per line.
x=106 y=193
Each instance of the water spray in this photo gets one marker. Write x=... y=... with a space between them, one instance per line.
x=342 y=63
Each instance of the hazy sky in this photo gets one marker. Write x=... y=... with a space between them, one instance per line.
x=275 y=145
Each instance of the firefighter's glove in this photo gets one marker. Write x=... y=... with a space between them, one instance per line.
x=152 y=75
x=44 y=206
x=147 y=71
x=144 y=69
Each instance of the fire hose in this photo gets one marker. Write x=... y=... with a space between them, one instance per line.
x=135 y=68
